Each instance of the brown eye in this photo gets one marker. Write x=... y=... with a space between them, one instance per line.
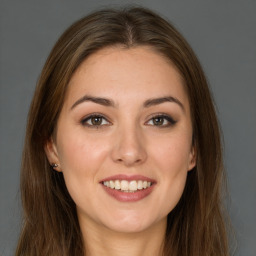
x=161 y=121
x=95 y=121
x=158 y=120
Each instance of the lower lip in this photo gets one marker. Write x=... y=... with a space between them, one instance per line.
x=128 y=196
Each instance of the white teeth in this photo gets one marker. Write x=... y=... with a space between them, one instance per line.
x=111 y=184
x=117 y=184
x=124 y=185
x=127 y=186
x=106 y=183
x=140 y=184
x=133 y=185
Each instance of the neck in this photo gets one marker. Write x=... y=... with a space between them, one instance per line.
x=106 y=242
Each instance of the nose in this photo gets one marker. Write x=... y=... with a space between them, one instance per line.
x=129 y=147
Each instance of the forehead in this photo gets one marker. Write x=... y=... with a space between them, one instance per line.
x=127 y=75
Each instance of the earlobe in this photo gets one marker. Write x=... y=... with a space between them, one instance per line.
x=52 y=154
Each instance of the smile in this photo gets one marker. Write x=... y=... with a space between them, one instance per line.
x=127 y=186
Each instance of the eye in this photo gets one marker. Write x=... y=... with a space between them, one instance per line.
x=94 y=121
x=161 y=121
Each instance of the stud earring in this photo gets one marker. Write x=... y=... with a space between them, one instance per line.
x=53 y=165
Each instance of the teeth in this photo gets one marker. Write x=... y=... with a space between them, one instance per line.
x=117 y=184
x=133 y=185
x=140 y=184
x=106 y=183
x=127 y=186
x=124 y=185
x=111 y=184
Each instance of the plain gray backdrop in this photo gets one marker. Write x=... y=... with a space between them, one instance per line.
x=223 y=35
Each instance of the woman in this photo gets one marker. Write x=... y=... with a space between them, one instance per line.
x=122 y=153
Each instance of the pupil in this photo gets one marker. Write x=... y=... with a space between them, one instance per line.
x=158 y=121
x=96 y=120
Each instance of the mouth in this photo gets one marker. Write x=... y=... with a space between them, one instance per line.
x=128 y=188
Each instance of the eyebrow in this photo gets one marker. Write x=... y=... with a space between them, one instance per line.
x=98 y=100
x=157 y=101
x=110 y=103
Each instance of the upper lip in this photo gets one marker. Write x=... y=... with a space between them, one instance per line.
x=128 y=178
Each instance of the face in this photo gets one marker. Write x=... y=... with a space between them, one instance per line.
x=124 y=139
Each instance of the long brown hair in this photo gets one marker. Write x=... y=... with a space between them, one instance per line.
x=196 y=226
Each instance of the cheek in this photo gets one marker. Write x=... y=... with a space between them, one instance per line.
x=171 y=161
x=173 y=165
x=81 y=153
x=173 y=154
x=81 y=159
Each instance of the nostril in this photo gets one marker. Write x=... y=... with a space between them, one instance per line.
x=129 y=151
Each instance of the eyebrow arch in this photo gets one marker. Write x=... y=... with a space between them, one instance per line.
x=98 y=100
x=156 y=101
x=110 y=103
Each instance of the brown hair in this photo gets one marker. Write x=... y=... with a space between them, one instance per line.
x=196 y=225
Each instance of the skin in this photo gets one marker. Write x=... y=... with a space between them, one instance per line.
x=127 y=141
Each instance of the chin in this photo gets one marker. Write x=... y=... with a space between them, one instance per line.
x=130 y=223
x=127 y=228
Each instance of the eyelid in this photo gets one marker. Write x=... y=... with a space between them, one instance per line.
x=91 y=115
x=169 y=118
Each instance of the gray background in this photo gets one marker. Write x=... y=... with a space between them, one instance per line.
x=223 y=35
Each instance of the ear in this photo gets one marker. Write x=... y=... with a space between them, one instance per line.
x=52 y=154
x=192 y=158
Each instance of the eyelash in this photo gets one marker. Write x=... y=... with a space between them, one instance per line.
x=86 y=119
x=169 y=119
